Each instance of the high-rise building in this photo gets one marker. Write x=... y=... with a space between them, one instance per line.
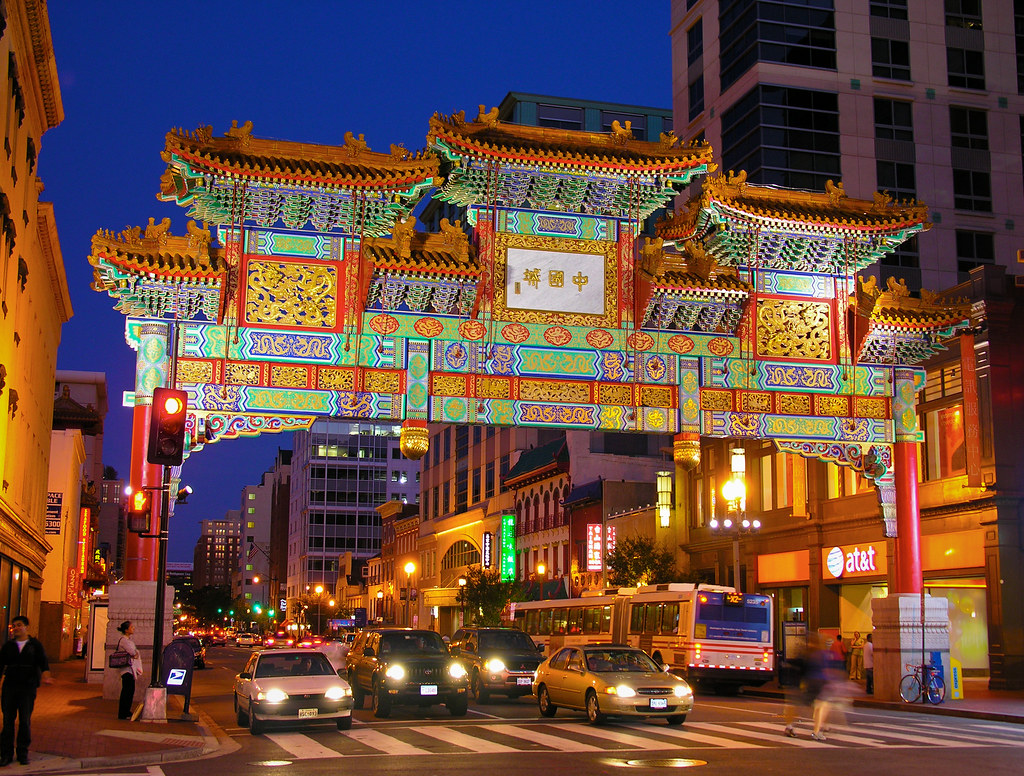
x=264 y=513
x=920 y=100
x=340 y=472
x=216 y=553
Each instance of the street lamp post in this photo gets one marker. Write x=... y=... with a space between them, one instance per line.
x=409 y=568
x=462 y=599
x=734 y=491
x=541 y=572
x=319 y=590
x=380 y=605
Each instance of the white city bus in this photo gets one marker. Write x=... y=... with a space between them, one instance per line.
x=709 y=633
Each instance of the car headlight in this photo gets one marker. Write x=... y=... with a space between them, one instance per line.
x=272 y=696
x=456 y=671
x=395 y=672
x=682 y=691
x=623 y=691
x=494 y=665
x=337 y=693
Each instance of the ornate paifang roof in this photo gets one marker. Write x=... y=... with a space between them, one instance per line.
x=688 y=291
x=154 y=273
x=767 y=227
x=901 y=330
x=512 y=165
x=422 y=271
x=347 y=188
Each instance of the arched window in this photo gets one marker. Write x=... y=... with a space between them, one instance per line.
x=547 y=510
x=565 y=496
x=520 y=519
x=538 y=525
x=462 y=553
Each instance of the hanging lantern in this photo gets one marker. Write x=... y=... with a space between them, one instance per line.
x=686 y=451
x=413 y=440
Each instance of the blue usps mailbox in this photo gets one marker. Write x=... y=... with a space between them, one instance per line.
x=176 y=669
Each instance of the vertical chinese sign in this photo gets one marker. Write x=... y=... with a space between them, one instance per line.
x=508 y=548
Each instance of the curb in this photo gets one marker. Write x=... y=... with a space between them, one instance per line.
x=913 y=708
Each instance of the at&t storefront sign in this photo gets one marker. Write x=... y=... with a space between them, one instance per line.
x=867 y=559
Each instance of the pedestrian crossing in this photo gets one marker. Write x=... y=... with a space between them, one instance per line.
x=578 y=737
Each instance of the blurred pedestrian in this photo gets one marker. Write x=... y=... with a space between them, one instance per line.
x=24 y=665
x=869 y=666
x=809 y=668
x=130 y=671
x=857 y=656
x=838 y=650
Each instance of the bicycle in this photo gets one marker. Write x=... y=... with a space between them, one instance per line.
x=912 y=685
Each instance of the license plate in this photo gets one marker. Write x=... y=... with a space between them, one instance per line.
x=308 y=713
x=524 y=680
x=659 y=703
x=428 y=689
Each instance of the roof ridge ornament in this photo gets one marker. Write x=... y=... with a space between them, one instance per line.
x=488 y=118
x=243 y=133
x=355 y=146
x=835 y=191
x=621 y=134
x=402 y=233
x=668 y=139
x=157 y=231
x=399 y=152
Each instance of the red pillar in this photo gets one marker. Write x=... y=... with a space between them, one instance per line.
x=908 y=522
x=141 y=554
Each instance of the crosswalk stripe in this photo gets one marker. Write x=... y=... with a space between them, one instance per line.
x=608 y=734
x=554 y=742
x=385 y=743
x=688 y=734
x=472 y=743
x=998 y=736
x=833 y=734
x=778 y=735
x=888 y=731
x=302 y=747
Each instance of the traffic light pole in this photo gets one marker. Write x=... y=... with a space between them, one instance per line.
x=161 y=574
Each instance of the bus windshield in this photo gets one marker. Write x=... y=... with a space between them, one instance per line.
x=732 y=616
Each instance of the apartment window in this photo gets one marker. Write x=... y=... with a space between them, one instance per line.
x=972 y=190
x=968 y=128
x=974 y=249
x=477 y=434
x=696 y=98
x=446 y=501
x=436 y=501
x=963 y=13
x=559 y=116
x=894 y=120
x=475 y=495
x=783 y=136
x=889 y=9
x=897 y=178
x=448 y=443
x=461 y=490
x=941 y=417
x=638 y=122
x=908 y=254
x=695 y=42
x=250 y=524
x=966 y=68
x=890 y=59
x=251 y=496
x=489 y=480
x=437 y=450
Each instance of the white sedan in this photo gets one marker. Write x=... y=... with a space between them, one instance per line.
x=291 y=685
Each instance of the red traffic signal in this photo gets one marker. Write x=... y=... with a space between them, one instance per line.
x=167 y=427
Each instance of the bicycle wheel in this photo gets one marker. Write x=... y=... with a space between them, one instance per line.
x=936 y=689
x=910 y=688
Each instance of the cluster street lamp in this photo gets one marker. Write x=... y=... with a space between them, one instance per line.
x=409 y=568
x=736 y=522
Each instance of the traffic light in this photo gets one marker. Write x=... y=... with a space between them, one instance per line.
x=167 y=427
x=256 y=608
x=139 y=511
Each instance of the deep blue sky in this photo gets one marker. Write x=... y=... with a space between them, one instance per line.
x=303 y=71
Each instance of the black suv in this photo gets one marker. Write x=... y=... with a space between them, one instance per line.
x=497 y=659
x=403 y=666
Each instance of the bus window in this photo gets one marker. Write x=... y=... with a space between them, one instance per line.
x=558 y=622
x=670 y=619
x=529 y=621
x=651 y=618
x=592 y=620
x=544 y=622
x=606 y=619
x=710 y=612
x=733 y=613
x=636 y=618
x=757 y=615
x=574 y=623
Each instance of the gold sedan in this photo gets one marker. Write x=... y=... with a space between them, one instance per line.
x=610 y=680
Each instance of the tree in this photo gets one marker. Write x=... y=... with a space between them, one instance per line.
x=485 y=595
x=638 y=560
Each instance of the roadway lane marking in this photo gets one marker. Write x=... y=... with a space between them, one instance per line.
x=688 y=734
x=777 y=736
x=936 y=740
x=302 y=747
x=856 y=737
x=554 y=742
x=385 y=743
x=607 y=734
x=473 y=744
x=971 y=736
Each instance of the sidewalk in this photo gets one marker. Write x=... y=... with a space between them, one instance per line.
x=978 y=702
x=74 y=728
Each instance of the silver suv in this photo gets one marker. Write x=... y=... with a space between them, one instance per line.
x=498 y=660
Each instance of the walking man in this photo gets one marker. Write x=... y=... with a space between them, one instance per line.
x=24 y=665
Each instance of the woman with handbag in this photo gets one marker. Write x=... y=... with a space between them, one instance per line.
x=129 y=671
